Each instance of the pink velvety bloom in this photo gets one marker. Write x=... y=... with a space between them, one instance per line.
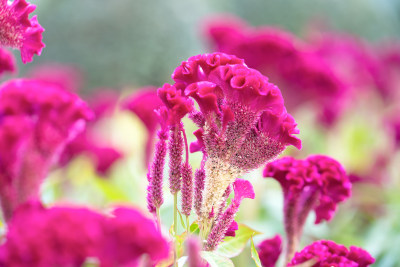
x=50 y=118
x=18 y=31
x=302 y=75
x=317 y=183
x=7 y=61
x=242 y=189
x=232 y=98
x=269 y=251
x=67 y=236
x=68 y=77
x=232 y=229
x=327 y=253
x=193 y=248
x=143 y=103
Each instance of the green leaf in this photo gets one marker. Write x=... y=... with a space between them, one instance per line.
x=179 y=244
x=233 y=246
x=216 y=260
x=254 y=253
x=194 y=227
x=182 y=221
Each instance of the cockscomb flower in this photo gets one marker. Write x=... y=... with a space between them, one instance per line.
x=67 y=236
x=269 y=251
x=242 y=189
x=50 y=118
x=18 y=31
x=245 y=121
x=302 y=75
x=143 y=103
x=7 y=62
x=316 y=183
x=328 y=253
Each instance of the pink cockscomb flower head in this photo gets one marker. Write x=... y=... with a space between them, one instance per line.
x=143 y=104
x=269 y=251
x=18 y=31
x=130 y=236
x=302 y=75
x=7 y=61
x=50 y=117
x=242 y=119
x=242 y=189
x=327 y=253
x=316 y=183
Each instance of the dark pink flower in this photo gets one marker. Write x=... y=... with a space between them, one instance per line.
x=317 y=183
x=50 y=118
x=269 y=251
x=7 y=61
x=327 y=253
x=193 y=248
x=18 y=31
x=68 y=77
x=232 y=229
x=143 y=103
x=67 y=236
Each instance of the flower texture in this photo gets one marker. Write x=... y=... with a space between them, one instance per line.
x=242 y=119
x=67 y=236
x=317 y=183
x=301 y=73
x=326 y=253
x=269 y=251
x=38 y=120
x=18 y=31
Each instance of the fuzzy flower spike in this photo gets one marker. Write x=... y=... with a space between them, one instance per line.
x=18 y=31
x=317 y=183
x=242 y=119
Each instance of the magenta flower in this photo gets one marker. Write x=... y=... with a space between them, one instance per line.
x=143 y=103
x=50 y=118
x=243 y=189
x=328 y=253
x=18 y=31
x=269 y=251
x=193 y=248
x=302 y=75
x=243 y=122
x=67 y=236
x=317 y=183
x=7 y=62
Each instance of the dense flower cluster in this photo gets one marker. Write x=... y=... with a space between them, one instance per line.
x=66 y=236
x=38 y=120
x=328 y=253
x=7 y=62
x=18 y=31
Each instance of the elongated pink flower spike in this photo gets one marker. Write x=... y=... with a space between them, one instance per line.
x=243 y=189
x=327 y=253
x=317 y=183
x=38 y=120
x=18 y=31
x=243 y=122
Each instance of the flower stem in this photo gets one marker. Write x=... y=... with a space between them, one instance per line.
x=158 y=218
x=187 y=225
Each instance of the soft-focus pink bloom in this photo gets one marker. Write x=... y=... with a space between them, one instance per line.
x=269 y=251
x=143 y=103
x=327 y=253
x=302 y=75
x=7 y=61
x=50 y=118
x=193 y=248
x=68 y=77
x=18 y=31
x=66 y=236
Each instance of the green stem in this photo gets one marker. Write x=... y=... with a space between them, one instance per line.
x=187 y=225
x=175 y=227
x=158 y=218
